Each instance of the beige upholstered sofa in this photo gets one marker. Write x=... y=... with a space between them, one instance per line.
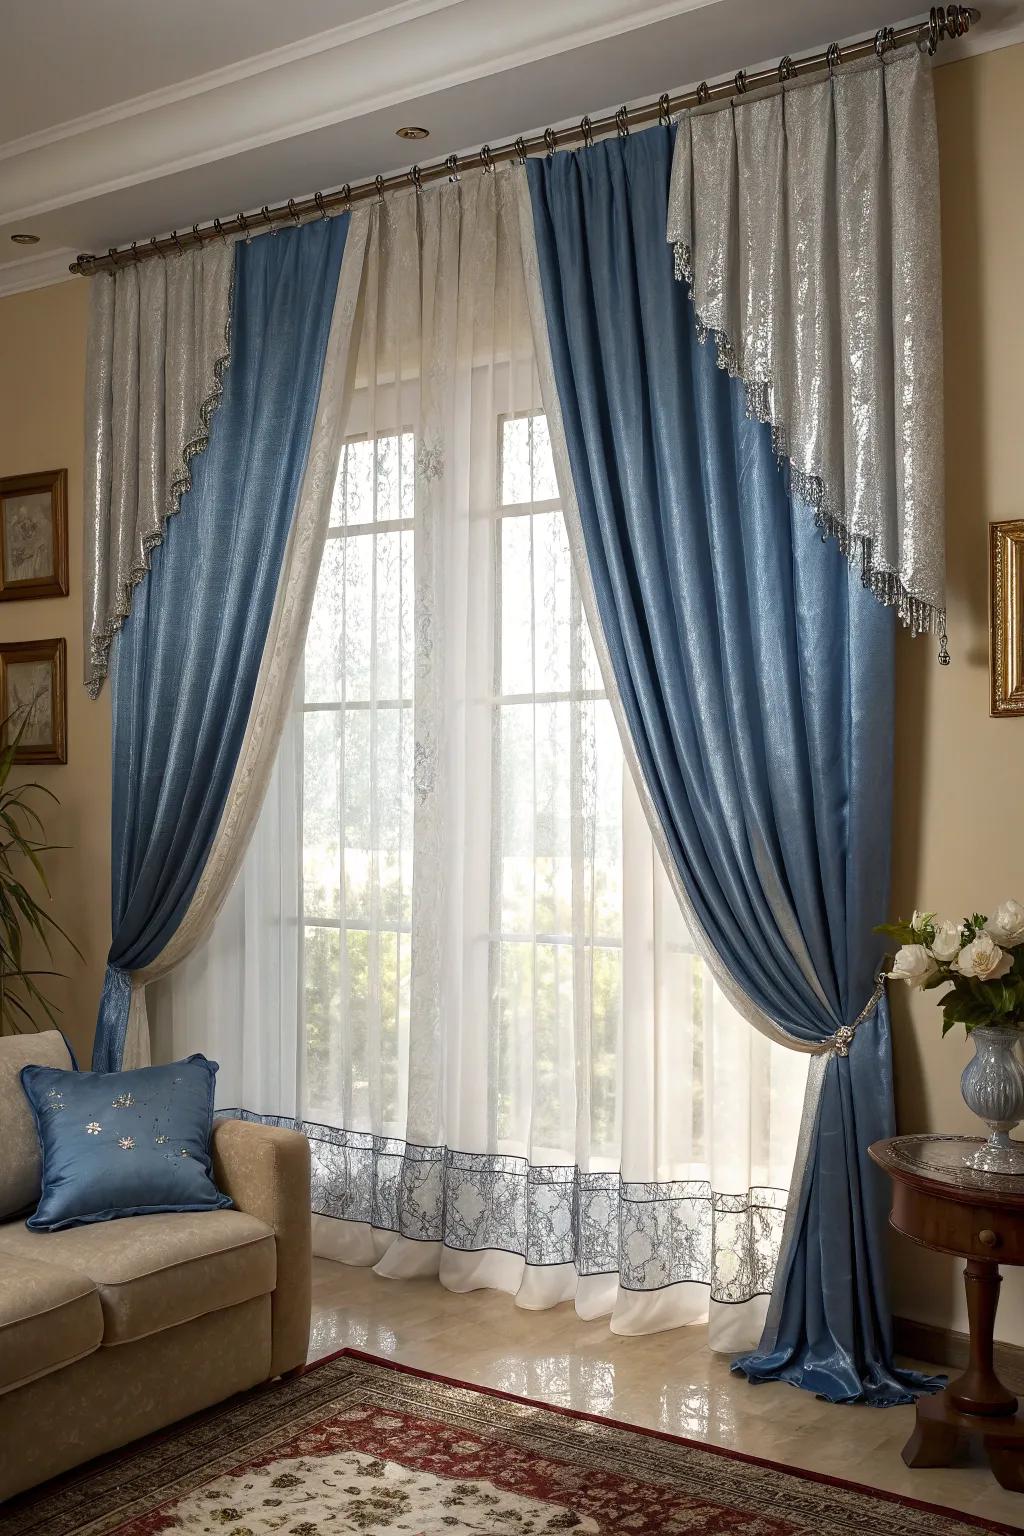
x=115 y=1329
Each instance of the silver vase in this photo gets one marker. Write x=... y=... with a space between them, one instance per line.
x=993 y=1088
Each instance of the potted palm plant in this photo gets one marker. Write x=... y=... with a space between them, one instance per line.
x=22 y=848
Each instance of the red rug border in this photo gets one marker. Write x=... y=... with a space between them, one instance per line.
x=995 y=1527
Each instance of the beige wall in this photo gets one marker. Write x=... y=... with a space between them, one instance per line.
x=960 y=775
x=959 y=833
x=42 y=368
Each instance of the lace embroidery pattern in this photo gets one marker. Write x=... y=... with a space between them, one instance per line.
x=651 y=1234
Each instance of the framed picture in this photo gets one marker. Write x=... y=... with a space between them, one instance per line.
x=1006 y=617
x=33 y=691
x=34 y=535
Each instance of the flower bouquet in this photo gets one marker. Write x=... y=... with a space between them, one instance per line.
x=981 y=962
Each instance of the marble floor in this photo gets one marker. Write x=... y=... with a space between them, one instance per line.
x=668 y=1381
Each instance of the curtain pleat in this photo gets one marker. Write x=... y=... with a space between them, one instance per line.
x=188 y=659
x=754 y=674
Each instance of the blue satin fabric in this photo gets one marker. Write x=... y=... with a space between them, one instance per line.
x=756 y=675
x=186 y=662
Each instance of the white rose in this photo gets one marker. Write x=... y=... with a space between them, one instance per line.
x=984 y=959
x=1006 y=925
x=914 y=965
x=946 y=944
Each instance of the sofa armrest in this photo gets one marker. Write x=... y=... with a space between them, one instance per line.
x=265 y=1170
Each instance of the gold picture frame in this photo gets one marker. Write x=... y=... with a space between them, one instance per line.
x=33 y=681
x=1006 y=617
x=34 y=535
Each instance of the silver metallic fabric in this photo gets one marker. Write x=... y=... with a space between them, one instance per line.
x=805 y=220
x=158 y=346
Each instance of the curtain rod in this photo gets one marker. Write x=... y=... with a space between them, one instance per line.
x=943 y=22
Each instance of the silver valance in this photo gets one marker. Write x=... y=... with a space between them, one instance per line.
x=158 y=345
x=805 y=220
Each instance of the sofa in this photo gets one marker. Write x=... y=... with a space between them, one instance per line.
x=115 y=1329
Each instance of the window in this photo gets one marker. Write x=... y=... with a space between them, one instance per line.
x=357 y=789
x=557 y=911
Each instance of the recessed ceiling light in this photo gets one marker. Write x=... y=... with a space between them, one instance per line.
x=413 y=132
x=25 y=239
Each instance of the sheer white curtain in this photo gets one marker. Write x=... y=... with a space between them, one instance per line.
x=452 y=955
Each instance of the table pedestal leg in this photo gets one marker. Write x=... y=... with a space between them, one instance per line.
x=979 y=1389
x=977 y=1403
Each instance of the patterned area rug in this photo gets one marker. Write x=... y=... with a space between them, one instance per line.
x=356 y=1445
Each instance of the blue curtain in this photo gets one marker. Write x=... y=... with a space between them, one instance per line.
x=756 y=675
x=186 y=662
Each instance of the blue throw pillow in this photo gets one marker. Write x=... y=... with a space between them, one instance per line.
x=123 y=1143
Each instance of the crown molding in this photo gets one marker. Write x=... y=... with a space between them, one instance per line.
x=411 y=50
x=39 y=271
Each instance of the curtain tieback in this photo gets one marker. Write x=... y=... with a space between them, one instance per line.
x=841 y=1041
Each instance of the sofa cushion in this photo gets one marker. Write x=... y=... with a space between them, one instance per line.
x=123 y=1143
x=153 y=1272
x=49 y=1317
x=21 y=1164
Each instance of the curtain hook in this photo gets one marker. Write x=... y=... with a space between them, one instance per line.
x=550 y=140
x=416 y=177
x=379 y=184
x=296 y=215
x=664 y=110
x=833 y=57
x=196 y=236
x=346 y=193
x=177 y=242
x=487 y=159
x=740 y=82
x=113 y=255
x=622 y=123
x=452 y=164
x=268 y=220
x=786 y=69
x=154 y=246
x=587 y=132
x=318 y=198
x=218 y=230
x=520 y=147
x=703 y=93
x=135 y=251
x=243 y=224
x=884 y=39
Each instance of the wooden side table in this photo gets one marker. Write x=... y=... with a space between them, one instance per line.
x=978 y=1217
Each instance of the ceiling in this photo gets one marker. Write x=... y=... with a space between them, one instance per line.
x=122 y=119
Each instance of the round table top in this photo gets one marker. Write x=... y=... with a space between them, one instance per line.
x=938 y=1161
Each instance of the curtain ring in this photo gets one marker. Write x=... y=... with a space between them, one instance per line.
x=112 y=252
x=786 y=69
x=520 y=147
x=550 y=140
x=177 y=242
x=346 y=193
x=318 y=198
x=934 y=32
x=416 y=177
x=135 y=251
x=884 y=39
x=197 y=237
x=243 y=224
x=296 y=215
x=703 y=93
x=268 y=220
x=587 y=132
x=487 y=159
x=218 y=229
x=622 y=123
x=379 y=184
x=740 y=82
x=154 y=246
x=664 y=111
x=833 y=56
x=452 y=165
